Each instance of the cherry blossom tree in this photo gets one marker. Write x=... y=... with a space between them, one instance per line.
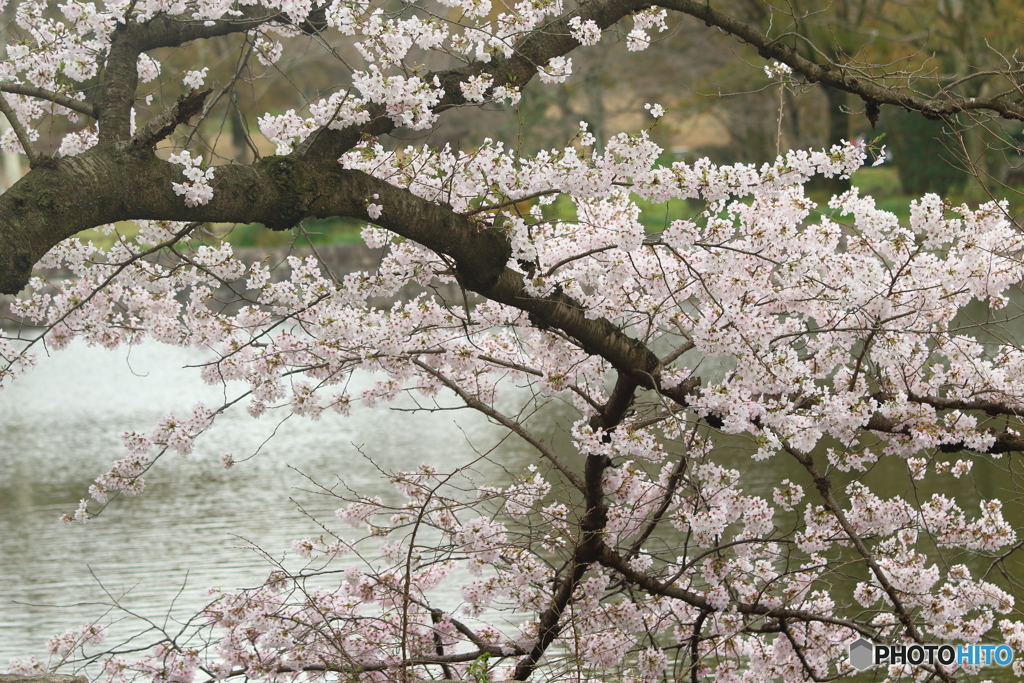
x=831 y=335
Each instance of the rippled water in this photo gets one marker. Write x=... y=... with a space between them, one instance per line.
x=58 y=431
x=157 y=553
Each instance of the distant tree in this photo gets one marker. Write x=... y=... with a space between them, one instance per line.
x=831 y=336
x=923 y=153
x=836 y=33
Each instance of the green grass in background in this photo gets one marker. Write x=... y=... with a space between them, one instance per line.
x=882 y=183
x=317 y=231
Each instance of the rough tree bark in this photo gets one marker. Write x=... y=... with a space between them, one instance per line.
x=121 y=178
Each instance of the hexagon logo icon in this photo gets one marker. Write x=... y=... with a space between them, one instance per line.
x=861 y=654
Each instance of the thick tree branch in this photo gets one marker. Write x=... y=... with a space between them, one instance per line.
x=535 y=49
x=618 y=404
x=165 y=31
x=164 y=124
x=120 y=79
x=989 y=407
x=1005 y=442
x=115 y=182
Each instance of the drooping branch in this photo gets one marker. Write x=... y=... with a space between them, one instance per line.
x=872 y=92
x=648 y=582
x=476 y=404
x=666 y=502
x=491 y=651
x=784 y=627
x=824 y=486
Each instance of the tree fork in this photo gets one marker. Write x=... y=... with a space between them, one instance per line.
x=588 y=551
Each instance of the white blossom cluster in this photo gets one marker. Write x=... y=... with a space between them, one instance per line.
x=197 y=190
x=58 y=55
x=827 y=333
x=638 y=39
x=750 y=280
x=586 y=31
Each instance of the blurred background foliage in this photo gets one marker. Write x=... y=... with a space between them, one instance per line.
x=720 y=102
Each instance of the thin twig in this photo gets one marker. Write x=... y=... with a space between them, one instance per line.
x=19 y=130
x=477 y=404
x=43 y=94
x=510 y=202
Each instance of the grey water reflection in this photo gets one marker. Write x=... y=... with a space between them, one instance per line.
x=59 y=429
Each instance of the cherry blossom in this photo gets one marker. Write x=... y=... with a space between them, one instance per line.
x=198 y=190
x=194 y=79
x=556 y=70
x=657 y=111
x=587 y=32
x=759 y=323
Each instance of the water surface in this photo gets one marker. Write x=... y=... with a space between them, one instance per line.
x=197 y=524
x=59 y=429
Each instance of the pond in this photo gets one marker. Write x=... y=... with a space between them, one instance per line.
x=195 y=524
x=199 y=525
